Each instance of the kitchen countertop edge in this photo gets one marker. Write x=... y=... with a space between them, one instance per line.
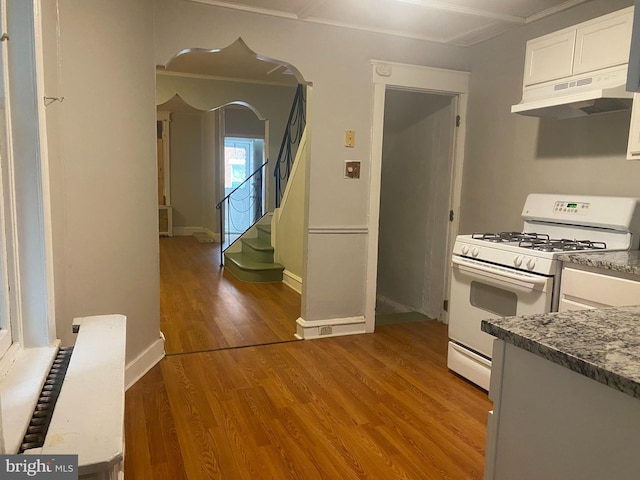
x=623 y=375
x=619 y=261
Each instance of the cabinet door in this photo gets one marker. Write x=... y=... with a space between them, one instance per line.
x=603 y=43
x=633 y=147
x=598 y=290
x=549 y=57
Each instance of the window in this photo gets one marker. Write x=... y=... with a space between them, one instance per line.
x=27 y=326
x=26 y=304
x=242 y=156
x=237 y=162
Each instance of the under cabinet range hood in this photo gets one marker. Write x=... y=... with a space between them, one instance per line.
x=579 y=70
x=577 y=96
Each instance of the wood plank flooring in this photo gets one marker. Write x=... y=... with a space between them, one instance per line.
x=237 y=398
x=376 y=406
x=205 y=308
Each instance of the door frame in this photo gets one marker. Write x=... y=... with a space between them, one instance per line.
x=454 y=83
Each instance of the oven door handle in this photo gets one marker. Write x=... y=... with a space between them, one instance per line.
x=524 y=280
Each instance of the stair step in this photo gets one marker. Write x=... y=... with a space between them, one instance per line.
x=258 y=244
x=246 y=268
x=259 y=249
x=264 y=231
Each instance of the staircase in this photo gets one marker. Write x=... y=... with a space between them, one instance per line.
x=254 y=262
x=250 y=257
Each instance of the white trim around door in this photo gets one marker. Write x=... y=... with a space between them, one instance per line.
x=418 y=78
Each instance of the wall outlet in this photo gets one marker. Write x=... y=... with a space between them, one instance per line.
x=326 y=330
x=351 y=169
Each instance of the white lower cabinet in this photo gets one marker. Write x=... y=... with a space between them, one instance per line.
x=549 y=422
x=584 y=287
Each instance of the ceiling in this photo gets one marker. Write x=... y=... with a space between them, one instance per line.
x=235 y=62
x=451 y=22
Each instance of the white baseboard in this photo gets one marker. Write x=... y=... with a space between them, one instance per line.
x=187 y=231
x=212 y=234
x=331 y=327
x=184 y=231
x=292 y=280
x=140 y=365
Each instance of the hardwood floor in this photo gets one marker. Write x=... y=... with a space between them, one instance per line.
x=376 y=406
x=237 y=398
x=204 y=308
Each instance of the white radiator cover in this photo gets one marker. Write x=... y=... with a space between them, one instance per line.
x=88 y=419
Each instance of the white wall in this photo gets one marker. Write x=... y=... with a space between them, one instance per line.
x=337 y=62
x=103 y=165
x=509 y=156
x=414 y=201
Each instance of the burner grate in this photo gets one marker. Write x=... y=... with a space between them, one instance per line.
x=561 y=245
x=504 y=237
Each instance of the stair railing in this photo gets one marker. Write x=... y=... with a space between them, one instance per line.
x=241 y=208
x=290 y=141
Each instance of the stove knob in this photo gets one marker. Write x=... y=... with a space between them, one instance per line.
x=475 y=251
x=531 y=263
x=517 y=261
x=465 y=249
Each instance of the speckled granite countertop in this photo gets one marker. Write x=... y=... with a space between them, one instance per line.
x=628 y=262
x=602 y=344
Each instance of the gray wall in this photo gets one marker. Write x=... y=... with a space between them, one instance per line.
x=193 y=165
x=242 y=122
x=186 y=168
x=337 y=62
x=509 y=156
x=271 y=102
x=103 y=164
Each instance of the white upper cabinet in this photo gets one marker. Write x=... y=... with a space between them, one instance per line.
x=603 y=43
x=549 y=57
x=599 y=43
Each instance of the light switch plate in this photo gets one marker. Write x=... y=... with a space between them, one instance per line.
x=350 y=138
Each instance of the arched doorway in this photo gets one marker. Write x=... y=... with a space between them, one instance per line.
x=214 y=105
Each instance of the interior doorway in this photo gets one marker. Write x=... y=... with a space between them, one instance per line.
x=448 y=94
x=415 y=189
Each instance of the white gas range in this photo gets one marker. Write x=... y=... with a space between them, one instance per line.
x=517 y=273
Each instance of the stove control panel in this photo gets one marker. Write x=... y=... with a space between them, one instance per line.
x=574 y=208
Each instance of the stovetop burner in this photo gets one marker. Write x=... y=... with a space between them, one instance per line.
x=539 y=241
x=562 y=245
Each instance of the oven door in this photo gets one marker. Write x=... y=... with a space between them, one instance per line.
x=480 y=291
